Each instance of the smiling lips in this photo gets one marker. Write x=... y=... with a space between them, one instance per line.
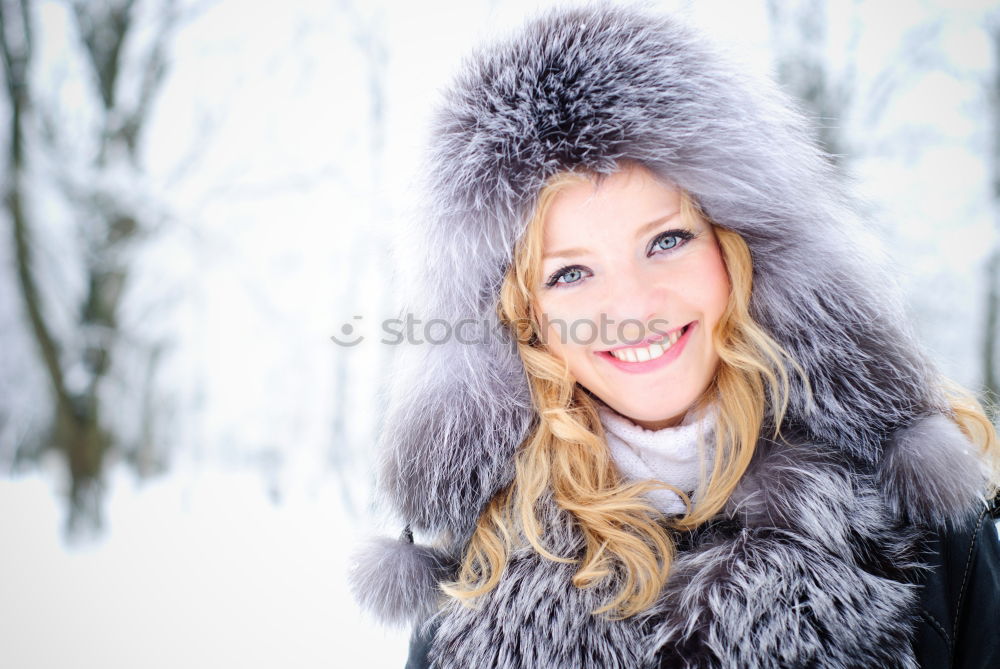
x=649 y=349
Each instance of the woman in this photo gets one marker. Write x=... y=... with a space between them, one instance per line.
x=694 y=429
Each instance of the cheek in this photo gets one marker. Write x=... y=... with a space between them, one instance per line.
x=712 y=286
x=720 y=285
x=557 y=316
x=548 y=316
x=554 y=342
x=720 y=293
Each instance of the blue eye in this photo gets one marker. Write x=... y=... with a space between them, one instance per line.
x=671 y=239
x=572 y=274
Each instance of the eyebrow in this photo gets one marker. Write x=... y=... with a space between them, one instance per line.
x=569 y=253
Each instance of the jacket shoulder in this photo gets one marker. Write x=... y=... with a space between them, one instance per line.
x=960 y=594
x=420 y=644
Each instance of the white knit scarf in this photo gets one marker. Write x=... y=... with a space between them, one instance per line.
x=669 y=455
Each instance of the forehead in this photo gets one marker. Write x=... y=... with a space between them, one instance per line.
x=621 y=201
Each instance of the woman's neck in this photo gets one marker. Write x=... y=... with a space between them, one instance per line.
x=677 y=455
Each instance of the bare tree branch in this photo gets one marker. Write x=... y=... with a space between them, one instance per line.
x=103 y=35
x=17 y=58
x=153 y=72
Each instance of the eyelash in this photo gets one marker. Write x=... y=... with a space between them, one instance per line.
x=684 y=235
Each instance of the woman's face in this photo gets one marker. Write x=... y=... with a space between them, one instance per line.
x=622 y=271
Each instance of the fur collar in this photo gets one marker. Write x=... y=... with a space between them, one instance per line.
x=807 y=563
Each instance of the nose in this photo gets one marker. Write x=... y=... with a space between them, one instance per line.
x=632 y=300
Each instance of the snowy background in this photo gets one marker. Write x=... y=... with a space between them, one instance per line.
x=276 y=170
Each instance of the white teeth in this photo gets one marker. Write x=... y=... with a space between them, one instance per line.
x=629 y=354
x=651 y=352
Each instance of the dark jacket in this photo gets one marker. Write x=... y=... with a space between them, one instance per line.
x=959 y=606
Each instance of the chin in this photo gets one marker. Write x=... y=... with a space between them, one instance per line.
x=648 y=413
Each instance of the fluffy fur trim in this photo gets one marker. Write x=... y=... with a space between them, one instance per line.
x=771 y=598
x=809 y=570
x=932 y=474
x=805 y=568
x=447 y=445
x=396 y=580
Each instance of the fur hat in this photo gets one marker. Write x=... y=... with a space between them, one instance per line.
x=588 y=88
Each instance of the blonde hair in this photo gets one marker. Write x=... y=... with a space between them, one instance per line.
x=566 y=454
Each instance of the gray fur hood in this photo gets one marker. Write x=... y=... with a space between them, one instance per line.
x=875 y=452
